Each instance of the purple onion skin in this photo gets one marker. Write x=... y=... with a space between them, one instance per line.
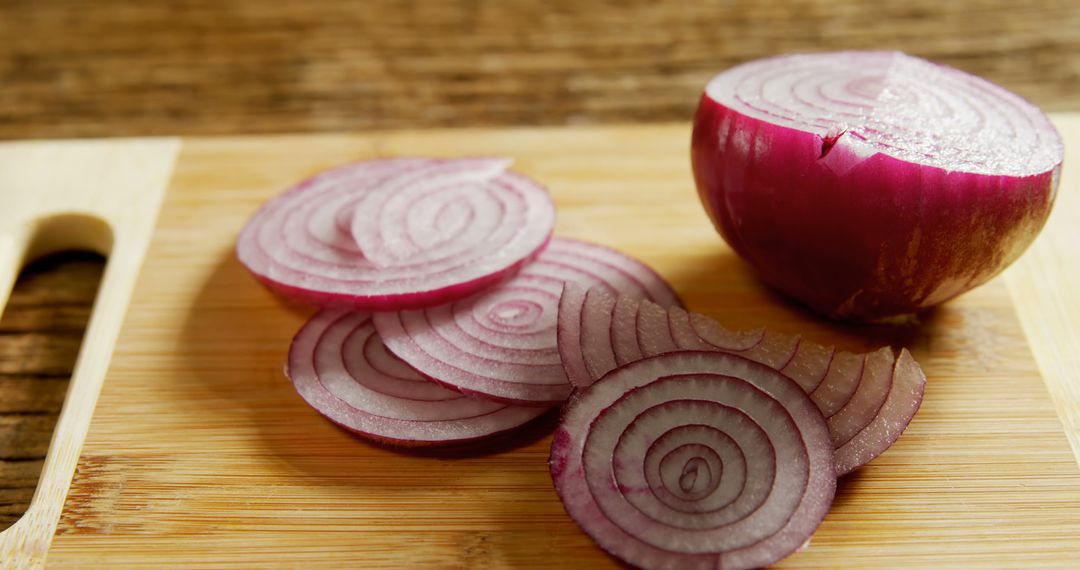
x=874 y=238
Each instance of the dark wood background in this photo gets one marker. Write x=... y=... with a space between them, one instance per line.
x=115 y=68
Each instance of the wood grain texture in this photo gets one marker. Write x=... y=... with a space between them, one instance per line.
x=78 y=68
x=72 y=68
x=1045 y=286
x=75 y=68
x=40 y=334
x=93 y=195
x=201 y=454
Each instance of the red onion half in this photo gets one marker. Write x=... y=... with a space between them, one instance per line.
x=867 y=399
x=870 y=184
x=501 y=344
x=480 y=231
x=339 y=366
x=694 y=460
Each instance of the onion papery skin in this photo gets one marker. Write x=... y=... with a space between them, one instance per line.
x=694 y=460
x=856 y=231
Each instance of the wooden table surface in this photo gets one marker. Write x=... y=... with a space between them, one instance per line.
x=115 y=68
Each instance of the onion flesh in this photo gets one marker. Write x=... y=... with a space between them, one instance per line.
x=501 y=344
x=471 y=209
x=871 y=185
x=694 y=460
x=867 y=399
x=301 y=243
x=339 y=366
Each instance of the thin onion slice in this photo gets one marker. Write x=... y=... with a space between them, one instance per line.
x=694 y=460
x=853 y=391
x=301 y=245
x=501 y=344
x=339 y=366
x=473 y=211
x=900 y=405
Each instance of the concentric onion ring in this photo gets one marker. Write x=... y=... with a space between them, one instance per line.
x=872 y=185
x=339 y=365
x=300 y=244
x=694 y=460
x=472 y=210
x=501 y=344
x=892 y=103
x=598 y=332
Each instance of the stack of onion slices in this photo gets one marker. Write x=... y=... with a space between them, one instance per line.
x=449 y=314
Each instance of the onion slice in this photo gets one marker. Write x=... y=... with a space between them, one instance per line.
x=301 y=243
x=501 y=344
x=694 y=460
x=900 y=405
x=472 y=211
x=853 y=391
x=339 y=366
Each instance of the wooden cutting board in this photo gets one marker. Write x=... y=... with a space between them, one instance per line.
x=200 y=454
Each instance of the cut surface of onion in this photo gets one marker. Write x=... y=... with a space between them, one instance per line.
x=867 y=399
x=694 y=460
x=339 y=366
x=501 y=344
x=470 y=211
x=872 y=184
x=301 y=243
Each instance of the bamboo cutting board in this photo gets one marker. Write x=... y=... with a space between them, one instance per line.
x=200 y=454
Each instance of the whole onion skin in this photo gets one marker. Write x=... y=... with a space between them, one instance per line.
x=880 y=239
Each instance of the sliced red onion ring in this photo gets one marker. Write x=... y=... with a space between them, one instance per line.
x=501 y=344
x=339 y=366
x=870 y=185
x=471 y=210
x=694 y=460
x=300 y=244
x=903 y=400
x=853 y=391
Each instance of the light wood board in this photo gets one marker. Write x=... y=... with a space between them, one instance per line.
x=101 y=196
x=201 y=455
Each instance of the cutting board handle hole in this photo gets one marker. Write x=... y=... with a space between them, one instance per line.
x=41 y=333
x=69 y=231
